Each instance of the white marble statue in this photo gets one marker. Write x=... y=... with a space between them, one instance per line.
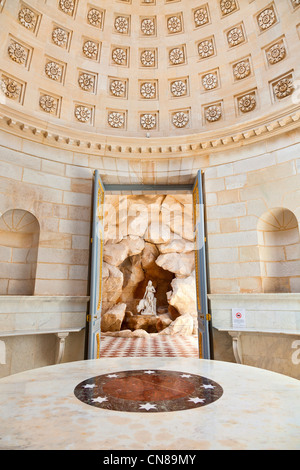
x=147 y=306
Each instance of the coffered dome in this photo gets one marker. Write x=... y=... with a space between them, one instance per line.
x=149 y=68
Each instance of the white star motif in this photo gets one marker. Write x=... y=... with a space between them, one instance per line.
x=149 y=372
x=99 y=399
x=185 y=375
x=89 y=386
x=208 y=386
x=110 y=376
x=197 y=400
x=148 y=406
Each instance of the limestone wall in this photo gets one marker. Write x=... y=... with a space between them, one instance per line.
x=251 y=185
x=241 y=186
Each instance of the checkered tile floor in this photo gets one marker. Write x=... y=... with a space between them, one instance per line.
x=155 y=346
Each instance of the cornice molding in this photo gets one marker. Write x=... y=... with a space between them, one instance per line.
x=47 y=133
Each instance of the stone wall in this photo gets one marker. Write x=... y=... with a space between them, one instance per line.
x=242 y=187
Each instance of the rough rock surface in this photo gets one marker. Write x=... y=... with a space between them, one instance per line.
x=149 y=237
x=183 y=295
x=113 y=318
x=182 y=326
x=181 y=264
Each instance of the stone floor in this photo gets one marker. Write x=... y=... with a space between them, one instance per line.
x=152 y=346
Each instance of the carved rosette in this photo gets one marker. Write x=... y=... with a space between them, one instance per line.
x=10 y=88
x=148 y=121
x=235 y=36
x=205 y=49
x=116 y=119
x=242 y=69
x=27 y=18
x=178 y=88
x=247 y=103
x=200 y=16
x=83 y=113
x=48 y=103
x=228 y=6
x=119 y=56
x=276 y=53
x=90 y=49
x=284 y=88
x=94 y=17
x=117 y=88
x=174 y=24
x=60 y=37
x=266 y=18
x=17 y=53
x=210 y=81
x=176 y=56
x=67 y=6
x=122 y=24
x=148 y=90
x=86 y=81
x=213 y=113
x=53 y=71
x=148 y=26
x=180 y=119
x=148 y=58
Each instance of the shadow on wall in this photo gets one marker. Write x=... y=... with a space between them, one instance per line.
x=19 y=241
x=279 y=250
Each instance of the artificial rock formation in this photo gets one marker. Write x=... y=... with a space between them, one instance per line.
x=149 y=238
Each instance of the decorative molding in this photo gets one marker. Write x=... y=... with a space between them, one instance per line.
x=183 y=146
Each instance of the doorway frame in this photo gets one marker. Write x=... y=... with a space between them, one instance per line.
x=204 y=317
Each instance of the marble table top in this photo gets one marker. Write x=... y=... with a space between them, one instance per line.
x=150 y=404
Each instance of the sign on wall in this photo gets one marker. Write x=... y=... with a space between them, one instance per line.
x=238 y=318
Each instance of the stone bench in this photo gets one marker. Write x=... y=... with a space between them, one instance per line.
x=40 y=315
x=236 y=338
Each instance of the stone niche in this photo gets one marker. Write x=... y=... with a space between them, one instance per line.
x=149 y=237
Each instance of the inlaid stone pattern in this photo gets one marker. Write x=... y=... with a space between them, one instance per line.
x=148 y=391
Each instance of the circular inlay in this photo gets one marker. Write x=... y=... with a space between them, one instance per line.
x=148 y=391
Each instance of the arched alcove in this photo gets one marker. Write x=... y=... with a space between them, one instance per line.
x=279 y=249
x=19 y=240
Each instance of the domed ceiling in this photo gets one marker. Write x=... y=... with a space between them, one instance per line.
x=149 y=68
